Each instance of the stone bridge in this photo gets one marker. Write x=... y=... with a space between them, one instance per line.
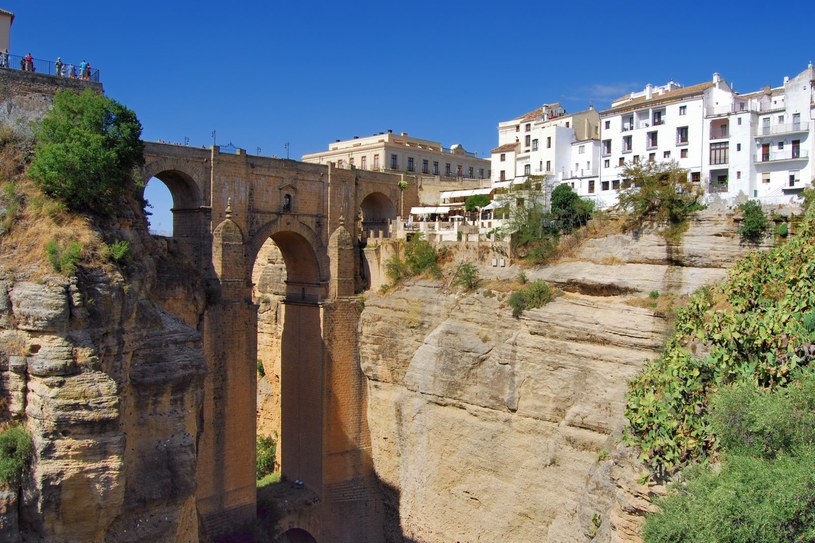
x=225 y=207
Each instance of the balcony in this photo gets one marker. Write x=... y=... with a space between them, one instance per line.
x=778 y=129
x=716 y=187
x=781 y=155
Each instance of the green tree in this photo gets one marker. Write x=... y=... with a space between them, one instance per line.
x=754 y=222
x=87 y=148
x=569 y=209
x=658 y=191
x=16 y=449
x=476 y=202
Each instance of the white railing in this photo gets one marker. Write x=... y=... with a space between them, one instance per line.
x=784 y=154
x=783 y=129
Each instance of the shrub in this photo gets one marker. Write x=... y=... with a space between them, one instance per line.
x=87 y=148
x=783 y=230
x=522 y=278
x=750 y=500
x=260 y=368
x=64 y=260
x=658 y=191
x=16 y=449
x=754 y=222
x=420 y=257
x=265 y=456
x=118 y=252
x=476 y=201
x=568 y=209
x=536 y=294
x=466 y=276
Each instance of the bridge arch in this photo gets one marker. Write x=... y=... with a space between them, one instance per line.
x=303 y=253
x=297 y=535
x=376 y=210
x=188 y=199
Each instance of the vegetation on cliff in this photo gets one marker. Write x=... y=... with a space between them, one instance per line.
x=658 y=191
x=16 y=448
x=735 y=383
x=87 y=148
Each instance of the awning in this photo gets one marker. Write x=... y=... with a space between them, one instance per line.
x=464 y=193
x=422 y=210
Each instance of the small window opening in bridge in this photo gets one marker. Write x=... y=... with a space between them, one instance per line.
x=287 y=202
x=159 y=208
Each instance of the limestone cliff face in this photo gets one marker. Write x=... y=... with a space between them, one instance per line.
x=485 y=427
x=109 y=383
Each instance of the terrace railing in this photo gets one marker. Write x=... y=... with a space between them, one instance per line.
x=41 y=66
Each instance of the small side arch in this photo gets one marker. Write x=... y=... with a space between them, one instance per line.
x=377 y=210
x=297 y=535
x=188 y=201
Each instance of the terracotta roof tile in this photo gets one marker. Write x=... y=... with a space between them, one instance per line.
x=670 y=96
x=506 y=147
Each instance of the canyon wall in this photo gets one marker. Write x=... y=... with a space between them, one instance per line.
x=105 y=371
x=484 y=427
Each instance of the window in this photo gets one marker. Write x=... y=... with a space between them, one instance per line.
x=651 y=139
x=604 y=185
x=796 y=121
x=780 y=119
x=738 y=121
x=780 y=145
x=626 y=144
x=683 y=153
x=376 y=161
x=765 y=177
x=738 y=147
x=666 y=154
x=394 y=162
x=410 y=164
x=792 y=179
x=738 y=174
x=591 y=186
x=657 y=117
x=364 y=162
x=683 y=110
x=503 y=175
x=567 y=124
x=695 y=177
x=615 y=184
x=435 y=167
x=535 y=145
x=606 y=147
x=681 y=135
x=718 y=153
x=581 y=149
x=528 y=127
x=652 y=157
x=636 y=159
x=549 y=142
x=527 y=169
x=607 y=125
x=470 y=172
x=351 y=161
x=340 y=163
x=796 y=148
x=548 y=165
x=503 y=157
x=458 y=170
x=621 y=162
x=447 y=169
x=425 y=166
x=517 y=128
x=527 y=140
x=606 y=163
x=481 y=173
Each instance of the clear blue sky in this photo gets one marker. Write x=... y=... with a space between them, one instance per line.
x=264 y=73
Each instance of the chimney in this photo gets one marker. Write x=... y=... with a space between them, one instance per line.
x=786 y=79
x=404 y=133
x=649 y=91
x=716 y=79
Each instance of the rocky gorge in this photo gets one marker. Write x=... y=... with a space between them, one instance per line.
x=486 y=427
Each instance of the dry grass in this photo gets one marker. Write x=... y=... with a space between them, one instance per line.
x=37 y=221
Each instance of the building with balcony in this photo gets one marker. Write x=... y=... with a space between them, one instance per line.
x=400 y=153
x=540 y=143
x=657 y=124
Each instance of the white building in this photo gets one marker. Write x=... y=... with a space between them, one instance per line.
x=664 y=123
x=401 y=153
x=769 y=152
x=540 y=143
x=6 y=18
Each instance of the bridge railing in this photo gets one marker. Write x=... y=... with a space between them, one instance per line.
x=41 y=66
